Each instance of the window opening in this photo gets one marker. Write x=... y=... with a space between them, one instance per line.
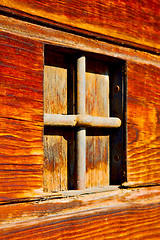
x=83 y=121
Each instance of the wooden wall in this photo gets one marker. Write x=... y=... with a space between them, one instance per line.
x=133 y=31
x=143 y=123
x=128 y=21
x=21 y=116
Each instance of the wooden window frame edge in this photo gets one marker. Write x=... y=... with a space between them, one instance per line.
x=117 y=69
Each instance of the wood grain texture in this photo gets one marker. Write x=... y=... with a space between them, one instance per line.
x=124 y=214
x=97 y=104
x=55 y=102
x=121 y=21
x=143 y=123
x=21 y=116
x=121 y=225
x=121 y=214
x=56 y=37
x=149 y=61
x=113 y=199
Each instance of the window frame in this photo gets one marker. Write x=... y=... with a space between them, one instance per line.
x=120 y=73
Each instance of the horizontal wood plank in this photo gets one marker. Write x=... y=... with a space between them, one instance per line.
x=75 y=203
x=116 y=24
x=122 y=214
x=56 y=37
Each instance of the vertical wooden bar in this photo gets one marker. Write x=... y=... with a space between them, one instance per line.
x=81 y=132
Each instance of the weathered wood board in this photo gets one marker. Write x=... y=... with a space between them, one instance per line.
x=21 y=116
x=55 y=102
x=97 y=104
x=111 y=199
x=143 y=148
x=125 y=21
x=49 y=35
x=118 y=215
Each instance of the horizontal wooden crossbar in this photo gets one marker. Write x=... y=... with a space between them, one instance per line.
x=81 y=121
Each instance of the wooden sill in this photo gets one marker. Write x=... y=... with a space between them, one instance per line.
x=112 y=200
x=43 y=196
